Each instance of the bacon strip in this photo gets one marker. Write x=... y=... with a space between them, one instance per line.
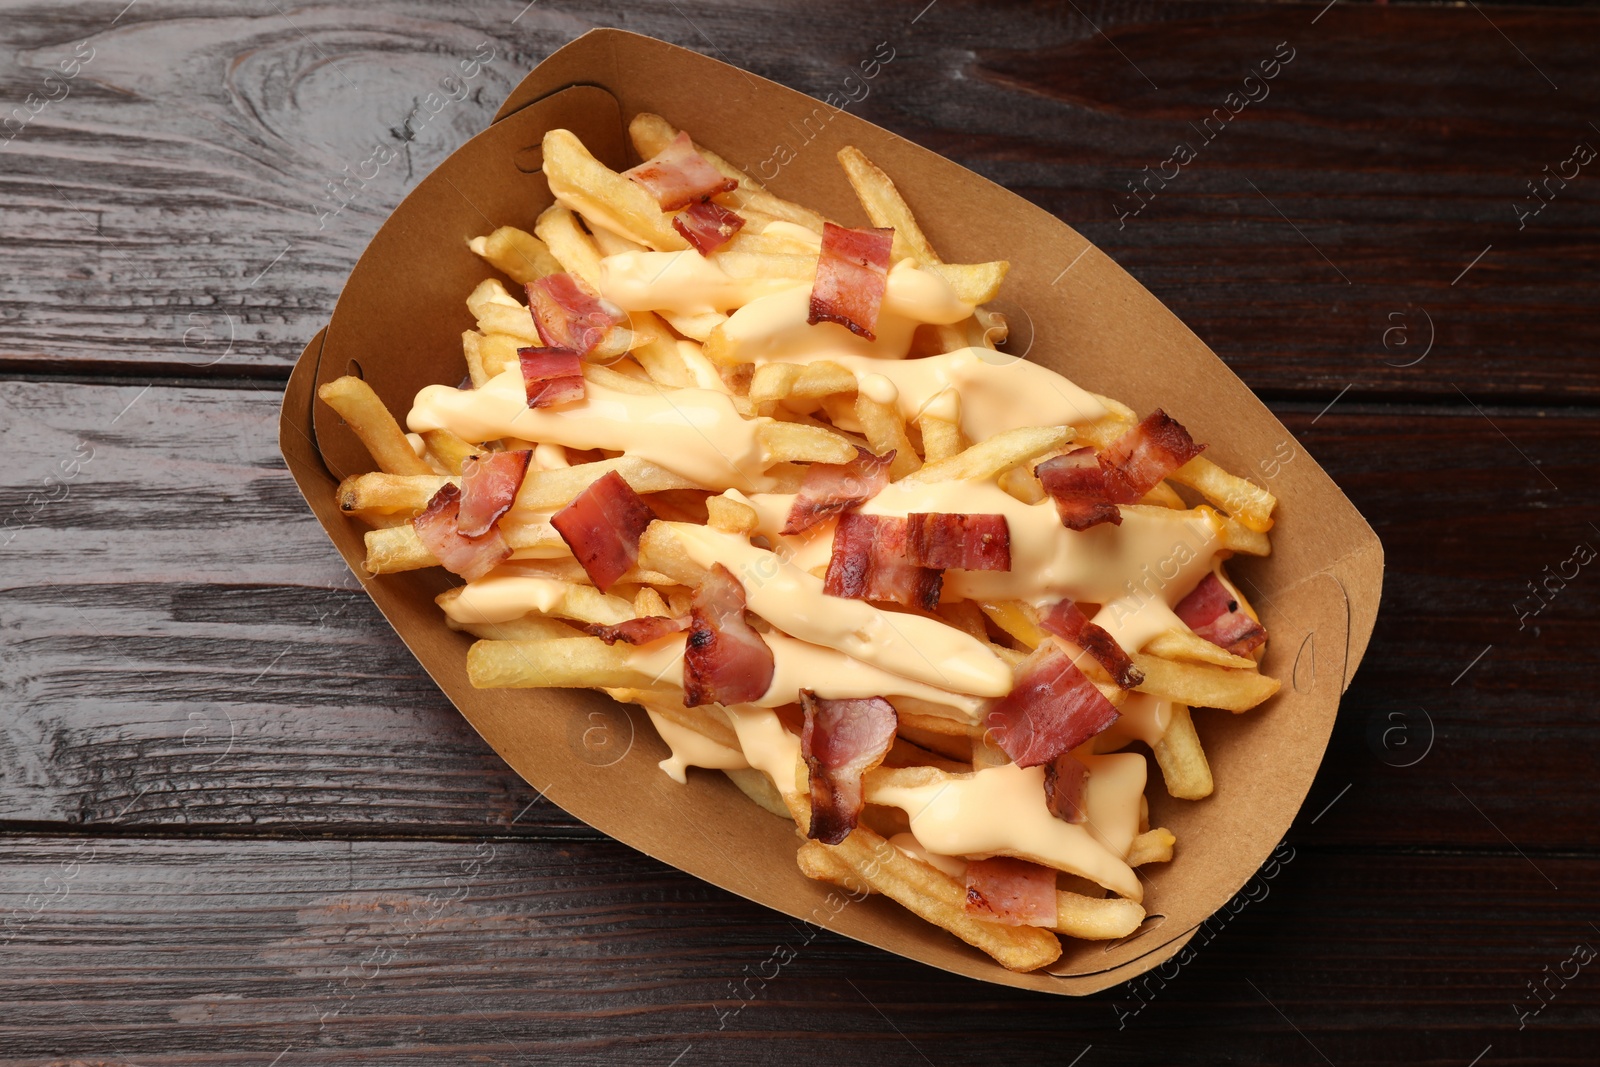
x=470 y=557
x=725 y=661
x=1078 y=486
x=1212 y=613
x=489 y=484
x=1011 y=891
x=842 y=740
x=830 y=488
x=567 y=315
x=1052 y=708
x=1064 y=781
x=1064 y=619
x=869 y=563
x=640 y=631
x=602 y=526
x=965 y=542
x=678 y=174
x=851 y=277
x=1138 y=460
x=707 y=225
x=551 y=375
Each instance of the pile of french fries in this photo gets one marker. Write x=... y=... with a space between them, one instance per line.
x=662 y=351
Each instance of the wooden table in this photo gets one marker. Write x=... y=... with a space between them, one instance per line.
x=240 y=826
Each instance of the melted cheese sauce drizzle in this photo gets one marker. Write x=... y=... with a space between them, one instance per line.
x=691 y=749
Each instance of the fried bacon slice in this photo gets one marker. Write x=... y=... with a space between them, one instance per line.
x=842 y=740
x=1052 y=708
x=1213 y=613
x=1077 y=484
x=725 y=661
x=1011 y=891
x=551 y=376
x=489 y=484
x=437 y=527
x=602 y=526
x=869 y=563
x=707 y=225
x=852 y=275
x=830 y=488
x=965 y=542
x=640 y=631
x=567 y=315
x=678 y=174
x=1065 y=779
x=1136 y=462
x=1065 y=619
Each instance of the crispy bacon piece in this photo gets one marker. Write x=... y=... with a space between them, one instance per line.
x=489 y=484
x=1064 y=619
x=1052 y=708
x=678 y=174
x=830 y=488
x=1078 y=486
x=470 y=557
x=869 y=563
x=602 y=526
x=1138 y=460
x=707 y=225
x=965 y=542
x=1064 y=781
x=551 y=375
x=567 y=315
x=842 y=740
x=1011 y=891
x=725 y=661
x=1212 y=613
x=851 y=277
x=640 y=631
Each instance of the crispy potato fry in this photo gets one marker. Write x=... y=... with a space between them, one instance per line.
x=517 y=254
x=941 y=438
x=1189 y=647
x=1021 y=484
x=964 y=615
x=448 y=450
x=472 y=352
x=804 y=381
x=1003 y=451
x=613 y=378
x=1237 y=537
x=1203 y=685
x=734 y=516
x=366 y=416
x=1181 y=759
x=570 y=663
x=499 y=353
x=390 y=492
x=527 y=628
x=974 y=283
x=1152 y=846
x=583 y=603
x=559 y=229
x=1164 y=496
x=707 y=720
x=905 y=753
x=1096 y=918
x=885 y=429
x=662 y=551
x=792 y=442
x=1239 y=497
x=658 y=352
x=818 y=863
x=759 y=788
x=648 y=602
x=605 y=197
x=886 y=207
x=567 y=569
x=549 y=490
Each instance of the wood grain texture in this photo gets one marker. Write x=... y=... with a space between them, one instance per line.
x=173 y=204
x=167 y=952
x=185 y=649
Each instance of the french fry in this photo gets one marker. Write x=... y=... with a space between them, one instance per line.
x=1181 y=759
x=804 y=381
x=1189 y=647
x=1237 y=537
x=448 y=450
x=366 y=416
x=499 y=352
x=472 y=352
x=1164 y=496
x=986 y=459
x=1239 y=497
x=905 y=753
x=570 y=662
x=527 y=628
x=1096 y=918
x=648 y=602
x=574 y=249
x=734 y=516
x=792 y=442
x=886 y=207
x=707 y=720
x=974 y=283
x=390 y=492
x=768 y=266
x=1152 y=846
x=583 y=603
x=517 y=254
x=549 y=490
x=1021 y=484
x=941 y=438
x=567 y=569
x=662 y=550
x=759 y=788
x=818 y=863
x=579 y=180
x=885 y=430
x=1203 y=685
x=964 y=615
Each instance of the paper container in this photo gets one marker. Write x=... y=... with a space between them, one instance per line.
x=399 y=321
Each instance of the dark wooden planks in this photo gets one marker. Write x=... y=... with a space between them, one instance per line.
x=169 y=212
x=183 y=648
x=172 y=952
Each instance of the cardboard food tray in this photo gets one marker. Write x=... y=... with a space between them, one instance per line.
x=398 y=324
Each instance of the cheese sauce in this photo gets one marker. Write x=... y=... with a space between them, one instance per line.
x=691 y=749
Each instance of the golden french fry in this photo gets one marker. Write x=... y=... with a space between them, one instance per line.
x=573 y=248
x=620 y=381
x=707 y=720
x=472 y=352
x=886 y=207
x=648 y=602
x=390 y=492
x=499 y=352
x=658 y=351
x=1181 y=759
x=661 y=549
x=974 y=283
x=1003 y=451
x=885 y=430
x=734 y=516
x=1237 y=537
x=941 y=439
x=366 y=416
x=759 y=788
x=398 y=548
x=804 y=381
x=611 y=244
x=490 y=294
x=793 y=442
x=1239 y=497
x=549 y=490
x=605 y=197
x=907 y=753
x=567 y=569
x=818 y=863
x=1096 y=918
x=1021 y=484
x=1164 y=496
x=527 y=628
x=1189 y=647
x=570 y=662
x=1152 y=846
x=516 y=253
x=583 y=603
x=964 y=615
x=1203 y=685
